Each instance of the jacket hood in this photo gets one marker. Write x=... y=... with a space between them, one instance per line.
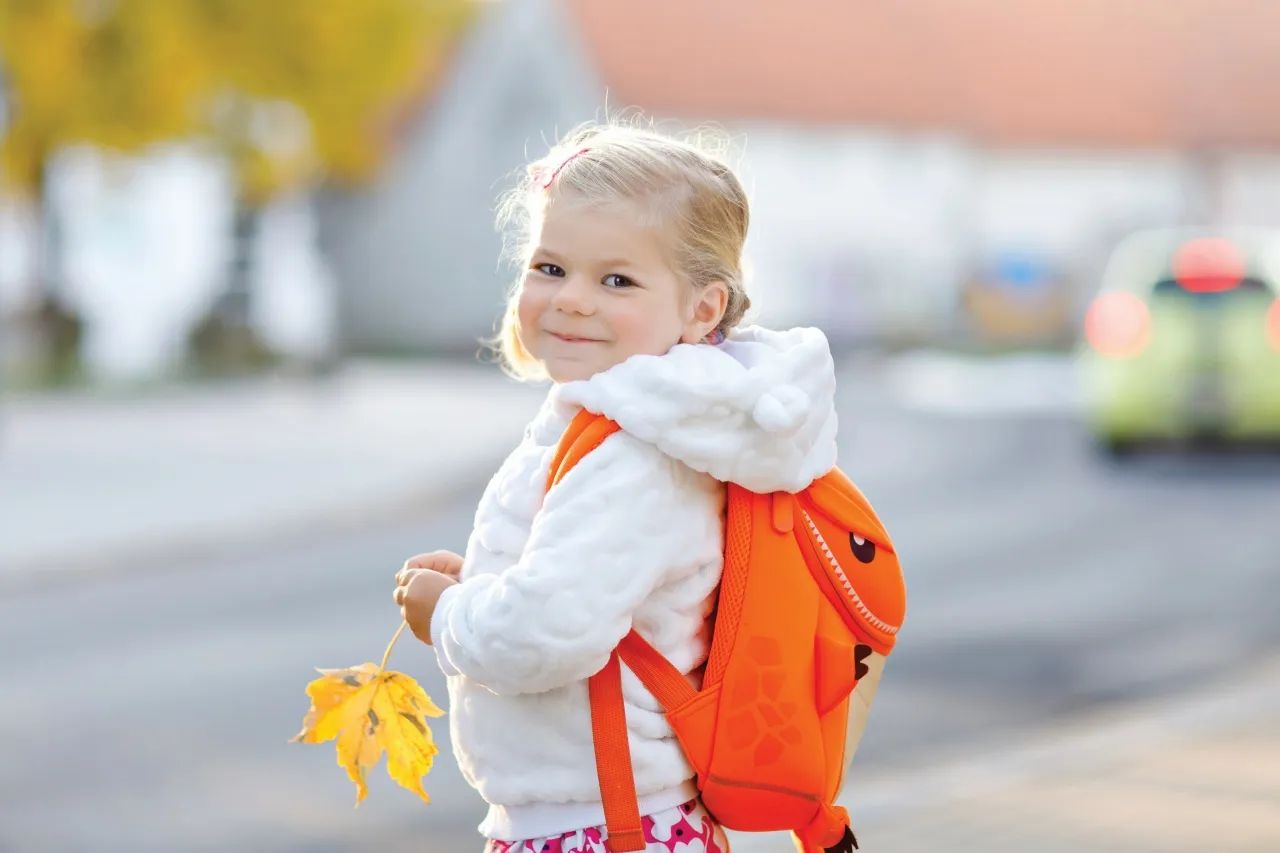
x=757 y=409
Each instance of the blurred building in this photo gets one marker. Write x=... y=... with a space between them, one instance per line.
x=920 y=169
x=897 y=153
x=144 y=249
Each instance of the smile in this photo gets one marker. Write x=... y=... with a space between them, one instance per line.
x=570 y=340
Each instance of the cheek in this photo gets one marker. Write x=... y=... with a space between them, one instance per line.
x=528 y=308
x=652 y=329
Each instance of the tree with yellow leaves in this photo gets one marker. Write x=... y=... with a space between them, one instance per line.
x=311 y=90
x=290 y=92
x=120 y=75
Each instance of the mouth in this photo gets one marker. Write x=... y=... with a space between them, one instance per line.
x=572 y=340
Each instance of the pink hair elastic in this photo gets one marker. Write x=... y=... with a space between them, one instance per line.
x=715 y=337
x=563 y=163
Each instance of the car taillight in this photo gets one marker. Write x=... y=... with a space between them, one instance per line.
x=1273 y=325
x=1118 y=325
x=1208 y=265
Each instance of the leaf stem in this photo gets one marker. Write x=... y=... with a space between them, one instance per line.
x=391 y=645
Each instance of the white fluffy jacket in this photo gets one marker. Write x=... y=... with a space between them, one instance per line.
x=632 y=536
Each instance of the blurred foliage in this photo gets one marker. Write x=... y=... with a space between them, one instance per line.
x=315 y=86
x=288 y=90
x=121 y=74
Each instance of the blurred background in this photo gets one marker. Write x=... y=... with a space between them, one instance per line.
x=246 y=255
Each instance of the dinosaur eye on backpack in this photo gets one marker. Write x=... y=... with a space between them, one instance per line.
x=811 y=599
x=863 y=549
x=854 y=553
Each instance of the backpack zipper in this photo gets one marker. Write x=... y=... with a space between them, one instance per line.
x=851 y=594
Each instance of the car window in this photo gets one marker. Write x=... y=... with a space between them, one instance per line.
x=1171 y=288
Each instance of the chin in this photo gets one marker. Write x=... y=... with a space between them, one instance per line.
x=571 y=374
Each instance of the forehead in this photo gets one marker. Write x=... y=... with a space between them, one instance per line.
x=613 y=230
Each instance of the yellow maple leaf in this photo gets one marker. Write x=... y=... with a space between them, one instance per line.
x=370 y=709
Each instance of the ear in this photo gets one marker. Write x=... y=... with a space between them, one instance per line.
x=705 y=313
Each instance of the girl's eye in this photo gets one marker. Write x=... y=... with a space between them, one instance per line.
x=539 y=268
x=626 y=282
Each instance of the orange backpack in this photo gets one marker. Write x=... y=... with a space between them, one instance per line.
x=811 y=586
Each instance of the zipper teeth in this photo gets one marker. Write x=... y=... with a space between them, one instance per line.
x=844 y=579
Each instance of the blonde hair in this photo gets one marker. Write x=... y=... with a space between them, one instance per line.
x=684 y=185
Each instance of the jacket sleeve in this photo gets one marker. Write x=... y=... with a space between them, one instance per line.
x=600 y=544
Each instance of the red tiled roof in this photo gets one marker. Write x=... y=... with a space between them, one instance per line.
x=1012 y=72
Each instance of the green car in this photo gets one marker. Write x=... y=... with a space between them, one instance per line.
x=1183 y=339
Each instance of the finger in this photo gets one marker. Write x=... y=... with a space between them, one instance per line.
x=398 y=595
x=405 y=575
x=425 y=560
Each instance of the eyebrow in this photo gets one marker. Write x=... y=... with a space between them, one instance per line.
x=610 y=262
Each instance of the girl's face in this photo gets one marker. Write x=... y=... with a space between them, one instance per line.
x=599 y=290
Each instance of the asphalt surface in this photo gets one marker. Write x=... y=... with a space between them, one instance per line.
x=149 y=710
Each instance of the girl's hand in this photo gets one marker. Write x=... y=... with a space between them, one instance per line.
x=444 y=562
x=417 y=592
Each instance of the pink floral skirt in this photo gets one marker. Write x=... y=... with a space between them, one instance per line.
x=686 y=828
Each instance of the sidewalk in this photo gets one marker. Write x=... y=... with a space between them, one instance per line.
x=91 y=482
x=1196 y=773
x=1014 y=384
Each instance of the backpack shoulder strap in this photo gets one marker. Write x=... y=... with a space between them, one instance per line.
x=585 y=433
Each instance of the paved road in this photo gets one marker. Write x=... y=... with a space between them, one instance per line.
x=149 y=710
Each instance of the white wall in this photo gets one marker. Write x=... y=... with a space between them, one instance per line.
x=141 y=252
x=870 y=232
x=16 y=246
x=856 y=231
x=146 y=243
x=1251 y=189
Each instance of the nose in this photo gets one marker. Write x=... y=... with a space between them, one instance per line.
x=573 y=296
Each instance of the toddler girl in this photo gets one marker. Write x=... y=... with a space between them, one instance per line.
x=630 y=302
